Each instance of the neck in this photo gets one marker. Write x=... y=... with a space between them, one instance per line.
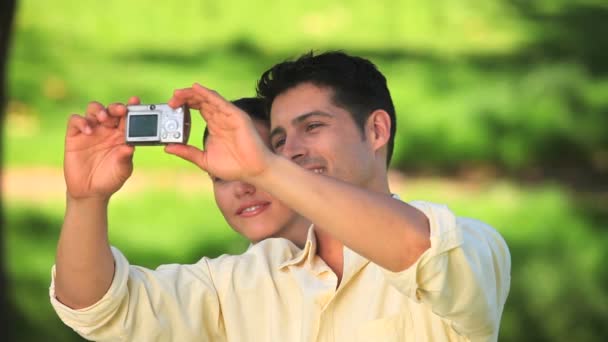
x=378 y=181
x=380 y=185
x=330 y=250
x=296 y=231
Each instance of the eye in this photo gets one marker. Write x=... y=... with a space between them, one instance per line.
x=215 y=179
x=311 y=126
x=278 y=143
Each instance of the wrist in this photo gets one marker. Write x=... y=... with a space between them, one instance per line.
x=94 y=201
x=262 y=173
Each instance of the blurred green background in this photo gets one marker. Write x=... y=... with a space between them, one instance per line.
x=503 y=115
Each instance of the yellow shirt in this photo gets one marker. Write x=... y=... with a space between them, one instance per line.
x=277 y=292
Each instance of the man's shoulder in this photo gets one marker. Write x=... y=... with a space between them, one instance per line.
x=444 y=222
x=439 y=210
x=476 y=232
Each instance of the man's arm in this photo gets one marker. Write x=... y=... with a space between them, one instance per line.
x=84 y=263
x=390 y=233
x=150 y=305
x=97 y=162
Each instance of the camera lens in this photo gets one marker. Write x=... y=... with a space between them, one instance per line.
x=152 y=107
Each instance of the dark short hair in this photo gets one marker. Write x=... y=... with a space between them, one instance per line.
x=254 y=106
x=357 y=84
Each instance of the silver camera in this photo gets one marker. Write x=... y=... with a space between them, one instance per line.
x=156 y=124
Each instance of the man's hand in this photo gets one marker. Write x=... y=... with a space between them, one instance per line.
x=97 y=162
x=234 y=149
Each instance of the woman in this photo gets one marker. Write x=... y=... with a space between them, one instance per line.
x=254 y=213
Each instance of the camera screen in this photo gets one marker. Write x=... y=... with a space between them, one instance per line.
x=143 y=125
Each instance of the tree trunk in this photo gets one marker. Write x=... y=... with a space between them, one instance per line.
x=7 y=15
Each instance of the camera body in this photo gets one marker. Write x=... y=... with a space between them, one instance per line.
x=157 y=124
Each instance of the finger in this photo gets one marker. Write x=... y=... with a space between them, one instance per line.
x=106 y=119
x=213 y=99
x=92 y=121
x=214 y=103
x=206 y=93
x=134 y=100
x=206 y=100
x=194 y=99
x=179 y=94
x=190 y=97
x=93 y=108
x=110 y=117
x=78 y=124
x=189 y=153
x=117 y=110
x=182 y=97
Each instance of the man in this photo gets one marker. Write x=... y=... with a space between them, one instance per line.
x=383 y=269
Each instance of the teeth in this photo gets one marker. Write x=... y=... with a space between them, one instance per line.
x=318 y=171
x=246 y=210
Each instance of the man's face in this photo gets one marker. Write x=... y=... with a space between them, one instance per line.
x=308 y=128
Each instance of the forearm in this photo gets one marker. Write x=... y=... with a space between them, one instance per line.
x=390 y=233
x=84 y=262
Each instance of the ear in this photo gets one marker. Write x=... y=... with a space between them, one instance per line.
x=378 y=129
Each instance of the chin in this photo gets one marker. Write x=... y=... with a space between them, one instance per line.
x=257 y=236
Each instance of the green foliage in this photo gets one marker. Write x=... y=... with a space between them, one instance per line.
x=500 y=84
x=465 y=115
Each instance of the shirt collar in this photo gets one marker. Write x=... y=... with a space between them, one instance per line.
x=308 y=252
x=353 y=262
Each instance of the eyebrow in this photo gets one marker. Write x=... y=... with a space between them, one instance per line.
x=299 y=119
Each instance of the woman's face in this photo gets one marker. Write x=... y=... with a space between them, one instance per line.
x=251 y=212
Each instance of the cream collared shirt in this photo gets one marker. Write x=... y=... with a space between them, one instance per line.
x=276 y=292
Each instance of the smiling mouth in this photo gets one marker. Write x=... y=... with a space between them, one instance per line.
x=253 y=209
x=319 y=170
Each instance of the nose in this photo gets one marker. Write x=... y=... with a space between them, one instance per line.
x=293 y=149
x=244 y=189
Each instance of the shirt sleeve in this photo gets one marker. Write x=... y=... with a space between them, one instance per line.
x=171 y=303
x=464 y=277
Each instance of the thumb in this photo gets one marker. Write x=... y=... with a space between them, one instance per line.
x=134 y=100
x=189 y=153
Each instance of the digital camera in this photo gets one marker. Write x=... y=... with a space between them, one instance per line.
x=157 y=124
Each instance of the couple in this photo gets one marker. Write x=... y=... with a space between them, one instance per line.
x=370 y=268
